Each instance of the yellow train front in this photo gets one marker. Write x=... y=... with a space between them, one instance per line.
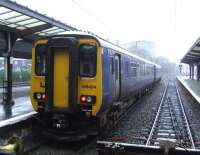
x=66 y=84
x=80 y=82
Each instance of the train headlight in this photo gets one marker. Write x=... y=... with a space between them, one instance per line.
x=87 y=99
x=39 y=96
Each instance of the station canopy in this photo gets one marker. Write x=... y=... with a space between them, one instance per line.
x=27 y=24
x=193 y=54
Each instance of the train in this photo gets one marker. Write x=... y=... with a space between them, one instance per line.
x=81 y=83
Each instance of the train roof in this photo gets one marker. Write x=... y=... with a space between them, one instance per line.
x=108 y=44
x=125 y=51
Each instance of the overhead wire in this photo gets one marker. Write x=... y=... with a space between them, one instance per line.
x=92 y=15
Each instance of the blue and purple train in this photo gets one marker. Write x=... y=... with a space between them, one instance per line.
x=81 y=83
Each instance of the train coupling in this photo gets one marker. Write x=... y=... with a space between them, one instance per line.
x=59 y=121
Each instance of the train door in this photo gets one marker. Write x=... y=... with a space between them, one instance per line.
x=61 y=78
x=117 y=76
x=61 y=74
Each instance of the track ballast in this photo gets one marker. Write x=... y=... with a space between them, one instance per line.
x=170 y=124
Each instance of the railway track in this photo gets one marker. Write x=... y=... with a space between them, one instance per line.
x=157 y=126
x=171 y=124
x=162 y=122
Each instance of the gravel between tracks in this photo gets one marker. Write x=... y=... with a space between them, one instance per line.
x=192 y=110
x=136 y=125
x=86 y=147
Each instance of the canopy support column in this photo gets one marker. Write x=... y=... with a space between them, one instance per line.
x=8 y=60
x=190 y=71
x=198 y=71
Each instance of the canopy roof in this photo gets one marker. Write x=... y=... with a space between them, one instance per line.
x=27 y=24
x=24 y=21
x=193 y=54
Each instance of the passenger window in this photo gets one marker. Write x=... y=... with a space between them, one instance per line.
x=141 y=69
x=116 y=69
x=111 y=65
x=127 y=69
x=88 y=60
x=133 y=69
x=40 y=60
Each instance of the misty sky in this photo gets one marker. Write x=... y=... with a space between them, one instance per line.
x=172 y=24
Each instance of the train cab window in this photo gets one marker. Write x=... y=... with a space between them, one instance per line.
x=40 y=60
x=88 y=60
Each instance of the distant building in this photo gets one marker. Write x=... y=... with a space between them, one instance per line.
x=142 y=48
x=145 y=45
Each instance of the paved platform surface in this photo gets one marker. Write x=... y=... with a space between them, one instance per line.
x=193 y=86
x=21 y=108
x=18 y=91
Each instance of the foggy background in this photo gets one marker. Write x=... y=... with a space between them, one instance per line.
x=161 y=31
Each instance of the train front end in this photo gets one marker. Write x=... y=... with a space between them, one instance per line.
x=66 y=84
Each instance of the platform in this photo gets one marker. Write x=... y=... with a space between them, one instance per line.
x=18 y=91
x=21 y=110
x=193 y=86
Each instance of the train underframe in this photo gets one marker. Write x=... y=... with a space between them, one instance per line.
x=69 y=127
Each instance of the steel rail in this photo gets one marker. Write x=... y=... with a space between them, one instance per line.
x=173 y=121
x=157 y=115
x=188 y=128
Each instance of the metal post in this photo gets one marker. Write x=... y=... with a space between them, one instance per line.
x=190 y=71
x=198 y=72
x=193 y=71
x=8 y=100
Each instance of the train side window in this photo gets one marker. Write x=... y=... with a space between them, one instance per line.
x=141 y=69
x=116 y=69
x=126 y=69
x=148 y=71
x=88 y=60
x=112 y=65
x=40 y=60
x=133 y=69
